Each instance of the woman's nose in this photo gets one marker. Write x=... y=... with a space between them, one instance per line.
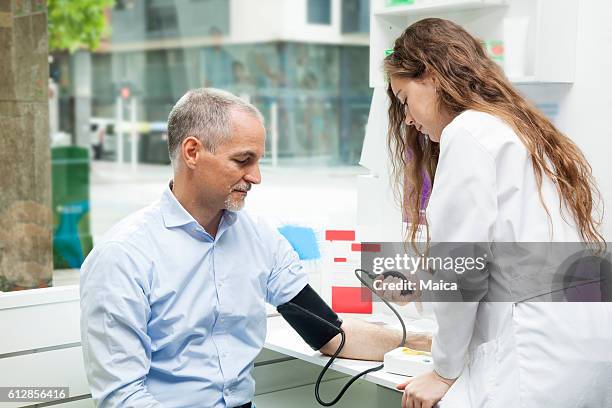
x=407 y=117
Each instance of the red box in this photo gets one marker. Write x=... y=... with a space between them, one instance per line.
x=351 y=299
x=339 y=235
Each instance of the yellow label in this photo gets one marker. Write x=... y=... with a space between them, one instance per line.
x=411 y=352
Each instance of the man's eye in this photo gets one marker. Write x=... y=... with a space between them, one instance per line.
x=243 y=161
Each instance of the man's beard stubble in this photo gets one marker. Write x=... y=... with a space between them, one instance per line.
x=233 y=204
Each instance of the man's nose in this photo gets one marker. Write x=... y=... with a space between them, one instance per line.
x=253 y=176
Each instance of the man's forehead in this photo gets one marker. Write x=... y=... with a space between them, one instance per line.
x=248 y=136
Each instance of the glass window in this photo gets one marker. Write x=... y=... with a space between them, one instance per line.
x=355 y=16
x=109 y=107
x=161 y=15
x=319 y=11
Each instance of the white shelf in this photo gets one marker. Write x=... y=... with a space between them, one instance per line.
x=549 y=55
x=532 y=80
x=524 y=80
x=436 y=7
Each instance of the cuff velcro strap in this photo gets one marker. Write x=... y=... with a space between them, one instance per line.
x=299 y=311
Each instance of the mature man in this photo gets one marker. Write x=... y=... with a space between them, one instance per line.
x=172 y=299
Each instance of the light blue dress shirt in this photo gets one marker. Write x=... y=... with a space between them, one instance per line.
x=172 y=317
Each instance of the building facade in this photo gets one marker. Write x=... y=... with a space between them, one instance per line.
x=307 y=60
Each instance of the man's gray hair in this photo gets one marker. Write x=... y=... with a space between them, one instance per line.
x=205 y=113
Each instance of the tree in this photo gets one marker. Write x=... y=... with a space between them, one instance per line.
x=76 y=24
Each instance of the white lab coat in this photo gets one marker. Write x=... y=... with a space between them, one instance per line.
x=510 y=354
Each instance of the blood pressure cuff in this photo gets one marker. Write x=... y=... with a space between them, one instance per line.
x=299 y=311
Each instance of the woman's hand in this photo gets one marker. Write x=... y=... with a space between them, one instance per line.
x=390 y=288
x=424 y=391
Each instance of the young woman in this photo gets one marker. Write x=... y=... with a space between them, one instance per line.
x=500 y=172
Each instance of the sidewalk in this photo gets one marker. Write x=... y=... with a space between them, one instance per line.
x=318 y=197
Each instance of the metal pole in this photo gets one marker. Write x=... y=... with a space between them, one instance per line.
x=119 y=129
x=274 y=132
x=134 y=133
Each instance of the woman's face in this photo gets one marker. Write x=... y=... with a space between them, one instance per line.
x=420 y=101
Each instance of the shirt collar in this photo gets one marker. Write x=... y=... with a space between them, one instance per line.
x=175 y=215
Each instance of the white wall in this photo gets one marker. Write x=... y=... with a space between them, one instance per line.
x=286 y=20
x=256 y=21
x=585 y=115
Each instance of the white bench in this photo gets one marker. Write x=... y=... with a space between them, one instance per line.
x=40 y=344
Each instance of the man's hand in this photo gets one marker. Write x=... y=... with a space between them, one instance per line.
x=418 y=341
x=424 y=391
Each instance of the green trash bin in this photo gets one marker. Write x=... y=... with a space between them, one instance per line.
x=72 y=239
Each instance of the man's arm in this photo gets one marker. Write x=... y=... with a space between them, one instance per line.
x=114 y=315
x=319 y=326
x=368 y=341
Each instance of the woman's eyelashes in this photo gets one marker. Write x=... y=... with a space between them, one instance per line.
x=406 y=109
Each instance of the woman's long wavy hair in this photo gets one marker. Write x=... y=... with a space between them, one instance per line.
x=467 y=79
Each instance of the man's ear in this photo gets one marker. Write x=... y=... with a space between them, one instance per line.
x=191 y=148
